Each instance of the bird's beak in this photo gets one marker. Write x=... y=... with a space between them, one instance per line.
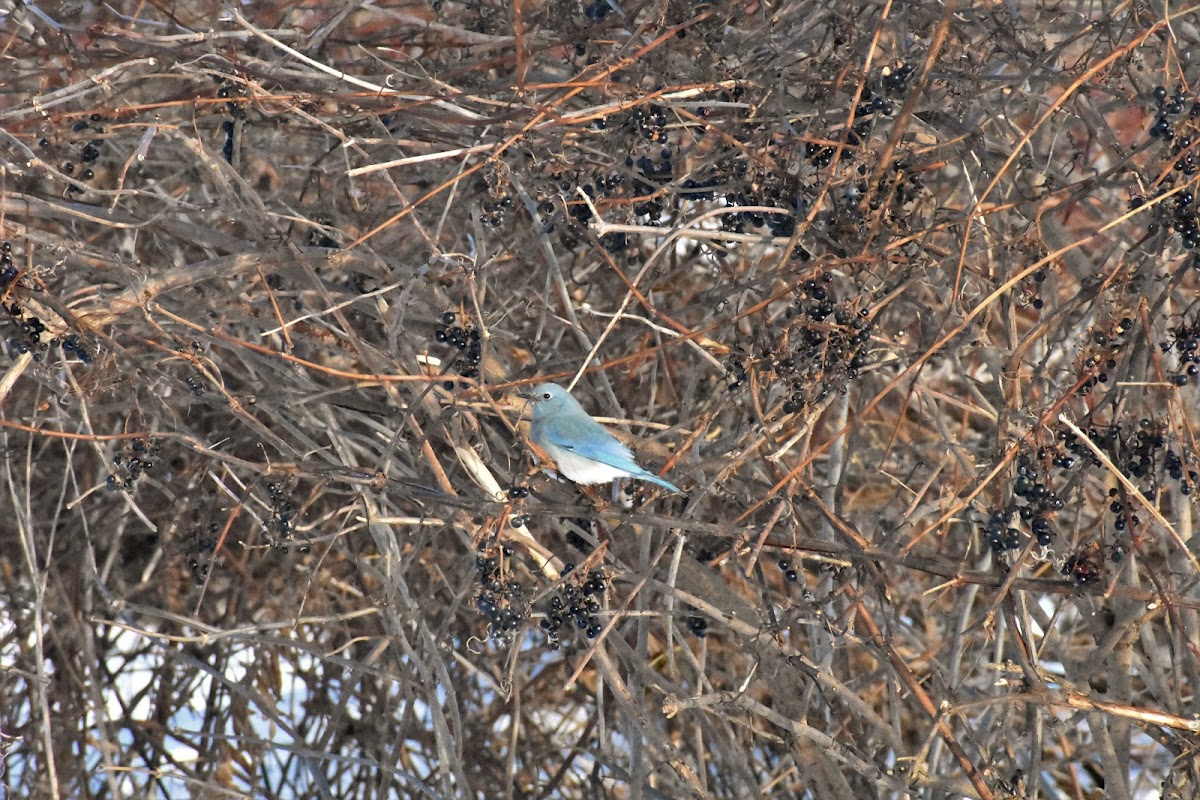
x=526 y=393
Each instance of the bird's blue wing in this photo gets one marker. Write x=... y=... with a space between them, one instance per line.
x=584 y=436
x=587 y=438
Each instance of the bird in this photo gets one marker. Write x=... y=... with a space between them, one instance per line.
x=583 y=451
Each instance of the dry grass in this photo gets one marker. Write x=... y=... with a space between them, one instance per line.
x=893 y=291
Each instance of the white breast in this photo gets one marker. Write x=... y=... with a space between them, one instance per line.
x=582 y=470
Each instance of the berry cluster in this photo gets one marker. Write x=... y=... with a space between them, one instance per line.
x=821 y=349
x=1138 y=453
x=1173 y=465
x=88 y=153
x=204 y=544
x=698 y=625
x=236 y=113
x=1147 y=454
x=1032 y=293
x=649 y=179
x=999 y=535
x=501 y=601
x=28 y=338
x=648 y=122
x=873 y=104
x=593 y=185
x=29 y=329
x=1144 y=453
x=745 y=184
x=822 y=155
x=1182 y=149
x=72 y=345
x=29 y=332
x=1185 y=343
x=895 y=79
x=648 y=170
x=598 y=184
x=736 y=376
x=494 y=186
x=1177 y=214
x=130 y=463
x=1087 y=565
x=578 y=600
x=1040 y=500
x=701 y=188
x=789 y=571
x=652 y=184
x=646 y=185
x=494 y=211
x=1075 y=450
x=1120 y=509
x=1103 y=359
x=518 y=494
x=1170 y=106
x=282 y=518
x=1034 y=502
x=466 y=339
x=760 y=188
x=8 y=272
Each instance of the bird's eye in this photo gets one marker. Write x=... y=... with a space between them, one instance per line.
x=545 y=395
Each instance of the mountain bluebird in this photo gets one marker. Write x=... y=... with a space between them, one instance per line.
x=581 y=448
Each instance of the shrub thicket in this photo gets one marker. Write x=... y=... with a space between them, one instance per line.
x=902 y=294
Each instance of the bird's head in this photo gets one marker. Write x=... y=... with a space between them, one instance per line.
x=546 y=398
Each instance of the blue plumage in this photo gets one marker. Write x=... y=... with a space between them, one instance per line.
x=582 y=449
